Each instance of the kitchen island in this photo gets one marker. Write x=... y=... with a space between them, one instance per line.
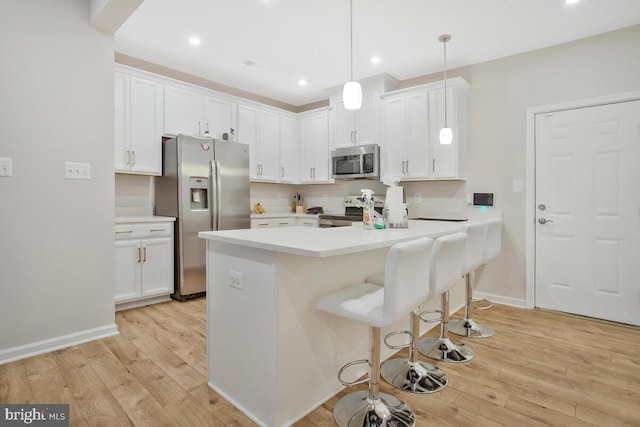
x=270 y=353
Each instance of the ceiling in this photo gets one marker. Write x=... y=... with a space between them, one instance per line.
x=290 y=40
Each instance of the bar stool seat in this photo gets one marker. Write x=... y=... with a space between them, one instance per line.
x=379 y=307
x=446 y=270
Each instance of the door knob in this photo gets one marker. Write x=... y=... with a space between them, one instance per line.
x=544 y=220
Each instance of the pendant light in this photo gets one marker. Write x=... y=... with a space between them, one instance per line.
x=352 y=92
x=446 y=134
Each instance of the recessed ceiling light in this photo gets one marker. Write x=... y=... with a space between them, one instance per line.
x=194 y=41
x=375 y=60
x=302 y=82
x=571 y=1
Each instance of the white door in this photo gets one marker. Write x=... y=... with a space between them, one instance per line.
x=587 y=178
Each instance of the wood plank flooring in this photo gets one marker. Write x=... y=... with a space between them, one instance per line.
x=541 y=368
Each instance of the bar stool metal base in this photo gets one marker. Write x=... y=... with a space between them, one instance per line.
x=470 y=328
x=446 y=350
x=358 y=410
x=415 y=377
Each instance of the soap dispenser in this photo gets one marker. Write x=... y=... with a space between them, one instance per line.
x=367 y=209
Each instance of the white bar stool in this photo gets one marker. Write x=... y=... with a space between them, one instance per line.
x=473 y=258
x=489 y=250
x=446 y=270
x=379 y=307
x=410 y=374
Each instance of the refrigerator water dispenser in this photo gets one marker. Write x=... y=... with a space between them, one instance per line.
x=199 y=188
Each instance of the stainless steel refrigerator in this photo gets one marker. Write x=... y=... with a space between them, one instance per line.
x=205 y=186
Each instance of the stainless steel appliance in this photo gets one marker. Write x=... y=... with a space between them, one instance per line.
x=358 y=162
x=352 y=213
x=205 y=185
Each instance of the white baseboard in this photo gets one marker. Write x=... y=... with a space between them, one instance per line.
x=514 y=302
x=45 y=346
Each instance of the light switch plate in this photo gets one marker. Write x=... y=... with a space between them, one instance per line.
x=518 y=185
x=74 y=170
x=6 y=166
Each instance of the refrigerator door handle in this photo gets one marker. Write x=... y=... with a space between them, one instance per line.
x=214 y=198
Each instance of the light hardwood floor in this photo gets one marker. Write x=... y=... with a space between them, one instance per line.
x=541 y=368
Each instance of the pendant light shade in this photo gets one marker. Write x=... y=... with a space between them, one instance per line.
x=446 y=133
x=446 y=136
x=352 y=92
x=352 y=95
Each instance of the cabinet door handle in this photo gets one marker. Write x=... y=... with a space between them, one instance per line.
x=355 y=136
x=199 y=129
x=139 y=255
x=155 y=230
x=133 y=154
x=282 y=172
x=407 y=166
x=433 y=165
x=124 y=232
x=314 y=173
x=403 y=168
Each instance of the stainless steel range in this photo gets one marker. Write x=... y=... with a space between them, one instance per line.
x=352 y=213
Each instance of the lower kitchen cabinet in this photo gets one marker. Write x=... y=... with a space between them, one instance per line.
x=143 y=271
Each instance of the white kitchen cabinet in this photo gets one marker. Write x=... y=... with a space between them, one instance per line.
x=359 y=127
x=314 y=147
x=307 y=222
x=260 y=129
x=412 y=119
x=138 y=125
x=273 y=222
x=289 y=141
x=192 y=113
x=355 y=127
x=143 y=269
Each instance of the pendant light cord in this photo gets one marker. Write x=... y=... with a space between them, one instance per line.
x=445 y=82
x=351 y=37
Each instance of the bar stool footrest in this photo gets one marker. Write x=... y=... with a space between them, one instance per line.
x=350 y=364
x=401 y=346
x=487 y=304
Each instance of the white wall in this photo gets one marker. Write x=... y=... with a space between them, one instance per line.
x=56 y=240
x=502 y=90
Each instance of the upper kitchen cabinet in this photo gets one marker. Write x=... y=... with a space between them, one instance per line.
x=138 y=125
x=358 y=127
x=412 y=119
x=289 y=139
x=260 y=129
x=314 y=147
x=354 y=127
x=189 y=112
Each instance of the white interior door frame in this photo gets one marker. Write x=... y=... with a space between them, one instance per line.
x=530 y=230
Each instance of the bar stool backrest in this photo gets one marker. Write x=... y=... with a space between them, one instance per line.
x=494 y=235
x=446 y=263
x=406 y=277
x=474 y=247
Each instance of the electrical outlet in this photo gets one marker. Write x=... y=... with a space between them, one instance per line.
x=325 y=198
x=235 y=279
x=74 y=170
x=417 y=198
x=518 y=186
x=6 y=166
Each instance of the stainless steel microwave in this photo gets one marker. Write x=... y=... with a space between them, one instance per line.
x=357 y=162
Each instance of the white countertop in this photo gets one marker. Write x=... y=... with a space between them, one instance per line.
x=142 y=219
x=283 y=215
x=326 y=242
